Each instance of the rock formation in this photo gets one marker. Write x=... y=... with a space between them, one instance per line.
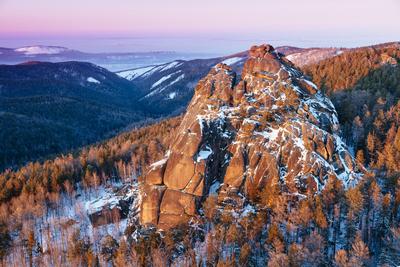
x=272 y=125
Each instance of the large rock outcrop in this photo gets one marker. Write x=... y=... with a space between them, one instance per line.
x=272 y=125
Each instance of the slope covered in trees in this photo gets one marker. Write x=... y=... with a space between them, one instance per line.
x=51 y=108
x=137 y=148
x=364 y=85
x=336 y=227
x=34 y=196
x=343 y=72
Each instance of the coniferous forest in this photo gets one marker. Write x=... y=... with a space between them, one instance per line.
x=43 y=205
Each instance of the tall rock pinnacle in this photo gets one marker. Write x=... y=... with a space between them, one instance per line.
x=271 y=126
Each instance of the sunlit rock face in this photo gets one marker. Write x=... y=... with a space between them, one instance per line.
x=269 y=126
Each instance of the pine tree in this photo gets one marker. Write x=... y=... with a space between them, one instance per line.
x=314 y=245
x=296 y=255
x=5 y=240
x=359 y=252
x=341 y=258
x=319 y=215
x=278 y=259
x=371 y=146
x=245 y=253
x=355 y=204
x=30 y=245
x=121 y=255
x=360 y=158
x=232 y=235
x=109 y=248
x=397 y=140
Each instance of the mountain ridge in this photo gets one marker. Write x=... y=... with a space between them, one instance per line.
x=168 y=87
x=50 y=108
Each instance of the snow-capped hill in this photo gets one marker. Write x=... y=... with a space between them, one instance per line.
x=41 y=50
x=232 y=60
x=113 y=61
x=236 y=61
x=147 y=71
x=313 y=55
x=271 y=127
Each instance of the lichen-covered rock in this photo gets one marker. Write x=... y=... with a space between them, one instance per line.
x=272 y=127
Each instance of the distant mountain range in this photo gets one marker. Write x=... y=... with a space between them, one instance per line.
x=49 y=108
x=168 y=87
x=111 y=61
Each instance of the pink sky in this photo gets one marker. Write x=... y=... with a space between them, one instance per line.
x=239 y=19
x=179 y=17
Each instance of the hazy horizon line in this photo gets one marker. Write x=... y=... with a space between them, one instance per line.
x=182 y=44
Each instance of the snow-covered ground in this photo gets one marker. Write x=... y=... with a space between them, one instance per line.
x=72 y=213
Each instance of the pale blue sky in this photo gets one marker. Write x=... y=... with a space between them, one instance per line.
x=351 y=22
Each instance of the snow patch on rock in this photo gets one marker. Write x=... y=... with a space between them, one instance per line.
x=204 y=154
